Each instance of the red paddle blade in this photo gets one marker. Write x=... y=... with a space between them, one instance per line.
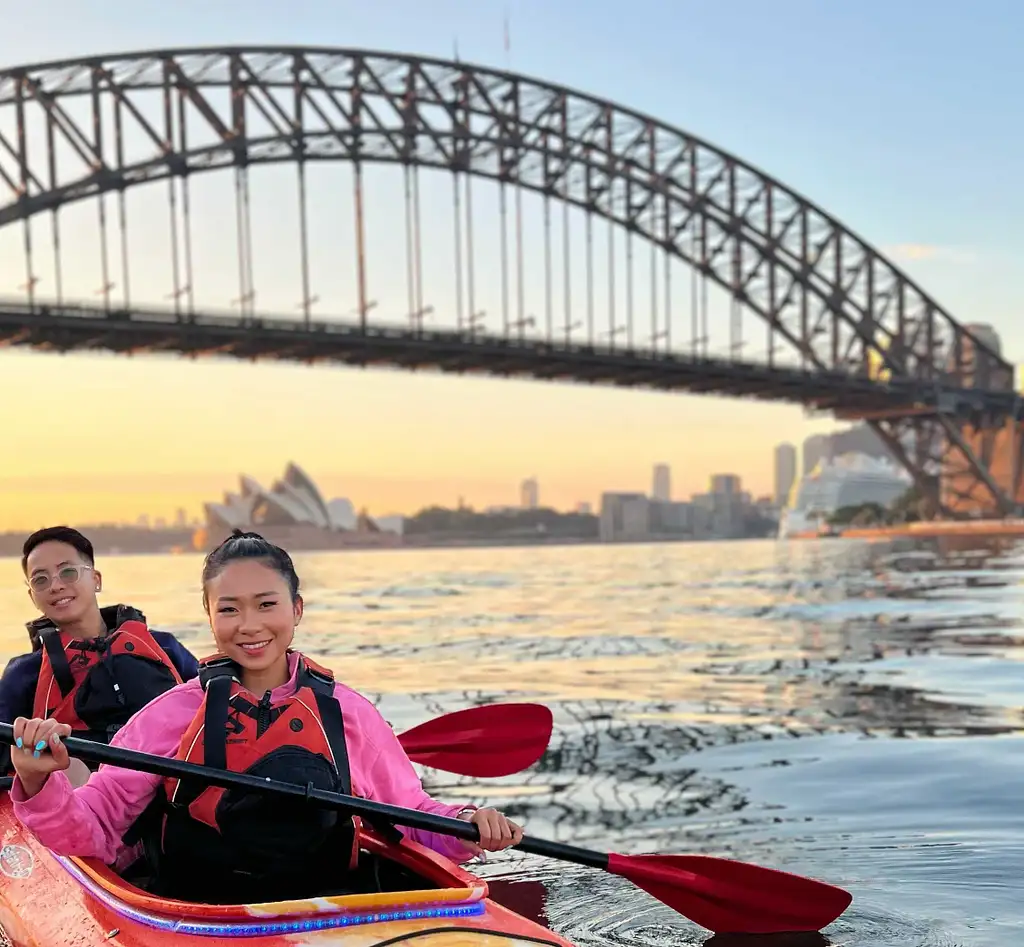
x=733 y=897
x=495 y=740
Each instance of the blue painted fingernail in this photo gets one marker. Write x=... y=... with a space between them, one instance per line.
x=35 y=754
x=41 y=745
x=17 y=743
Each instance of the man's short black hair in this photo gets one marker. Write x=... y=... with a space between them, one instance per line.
x=58 y=534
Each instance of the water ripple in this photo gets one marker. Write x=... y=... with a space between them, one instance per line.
x=850 y=711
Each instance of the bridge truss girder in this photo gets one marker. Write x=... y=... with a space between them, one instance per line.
x=829 y=302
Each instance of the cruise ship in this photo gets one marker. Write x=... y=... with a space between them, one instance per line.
x=848 y=480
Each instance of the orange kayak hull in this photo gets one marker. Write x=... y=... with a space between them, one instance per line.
x=48 y=900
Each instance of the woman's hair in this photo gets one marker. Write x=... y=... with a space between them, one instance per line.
x=243 y=545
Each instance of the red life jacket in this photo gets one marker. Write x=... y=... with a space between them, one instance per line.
x=96 y=685
x=224 y=843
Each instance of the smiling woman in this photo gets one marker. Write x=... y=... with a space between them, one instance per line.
x=90 y=667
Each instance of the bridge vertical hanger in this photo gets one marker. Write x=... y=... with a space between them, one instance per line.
x=58 y=268
x=549 y=312
x=848 y=331
x=666 y=243
x=408 y=151
x=186 y=203
x=465 y=164
x=173 y=146
x=652 y=201
x=521 y=317
x=503 y=239
x=122 y=210
x=629 y=262
x=357 y=184
x=101 y=197
x=23 y=178
x=457 y=218
x=240 y=149
x=299 y=151
x=410 y=171
x=564 y=192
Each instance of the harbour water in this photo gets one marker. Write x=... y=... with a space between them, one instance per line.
x=846 y=710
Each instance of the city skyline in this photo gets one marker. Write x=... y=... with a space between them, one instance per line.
x=525 y=493
x=125 y=436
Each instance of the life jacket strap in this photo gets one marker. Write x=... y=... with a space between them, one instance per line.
x=220 y=666
x=58 y=660
x=215 y=751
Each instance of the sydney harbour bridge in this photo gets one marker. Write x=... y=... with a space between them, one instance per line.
x=380 y=209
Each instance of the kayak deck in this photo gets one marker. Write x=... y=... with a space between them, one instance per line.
x=47 y=900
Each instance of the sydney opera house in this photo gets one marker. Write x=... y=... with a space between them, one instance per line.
x=294 y=514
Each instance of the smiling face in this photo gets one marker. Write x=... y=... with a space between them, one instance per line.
x=61 y=583
x=252 y=615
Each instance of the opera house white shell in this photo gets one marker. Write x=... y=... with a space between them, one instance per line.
x=293 y=500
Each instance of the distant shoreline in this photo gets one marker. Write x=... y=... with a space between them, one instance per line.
x=158 y=545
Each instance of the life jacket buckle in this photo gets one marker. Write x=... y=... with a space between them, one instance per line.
x=218 y=667
x=318 y=675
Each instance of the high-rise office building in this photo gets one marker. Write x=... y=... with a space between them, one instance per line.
x=661 y=488
x=725 y=484
x=529 y=494
x=785 y=471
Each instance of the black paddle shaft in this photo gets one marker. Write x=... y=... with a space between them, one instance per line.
x=414 y=818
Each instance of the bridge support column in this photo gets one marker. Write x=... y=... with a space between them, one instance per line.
x=962 y=470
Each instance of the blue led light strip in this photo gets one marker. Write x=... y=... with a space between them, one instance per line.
x=263 y=928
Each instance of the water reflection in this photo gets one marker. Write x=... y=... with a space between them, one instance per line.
x=777 y=703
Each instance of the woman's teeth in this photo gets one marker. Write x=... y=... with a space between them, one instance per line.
x=63 y=601
x=255 y=646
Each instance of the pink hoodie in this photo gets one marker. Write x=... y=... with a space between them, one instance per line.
x=91 y=820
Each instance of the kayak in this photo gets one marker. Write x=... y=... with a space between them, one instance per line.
x=49 y=900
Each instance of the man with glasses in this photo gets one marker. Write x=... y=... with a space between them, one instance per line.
x=90 y=667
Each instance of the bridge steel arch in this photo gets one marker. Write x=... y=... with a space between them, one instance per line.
x=824 y=294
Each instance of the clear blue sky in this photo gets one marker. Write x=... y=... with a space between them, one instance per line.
x=900 y=117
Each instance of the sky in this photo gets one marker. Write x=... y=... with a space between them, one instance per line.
x=898 y=118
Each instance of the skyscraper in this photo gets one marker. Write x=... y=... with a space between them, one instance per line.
x=661 y=489
x=725 y=484
x=529 y=494
x=785 y=471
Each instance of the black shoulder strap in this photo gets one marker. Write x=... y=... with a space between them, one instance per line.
x=334 y=726
x=218 y=668
x=36 y=626
x=117 y=615
x=215 y=748
x=215 y=742
x=332 y=719
x=58 y=660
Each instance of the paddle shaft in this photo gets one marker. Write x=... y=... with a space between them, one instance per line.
x=414 y=818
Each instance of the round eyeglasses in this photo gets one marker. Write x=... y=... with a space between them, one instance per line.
x=68 y=575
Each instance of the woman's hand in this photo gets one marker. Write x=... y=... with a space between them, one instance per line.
x=38 y=751
x=496 y=832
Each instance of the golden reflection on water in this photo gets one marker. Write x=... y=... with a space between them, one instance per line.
x=690 y=632
x=562 y=623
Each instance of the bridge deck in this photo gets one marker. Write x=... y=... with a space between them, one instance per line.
x=70 y=328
